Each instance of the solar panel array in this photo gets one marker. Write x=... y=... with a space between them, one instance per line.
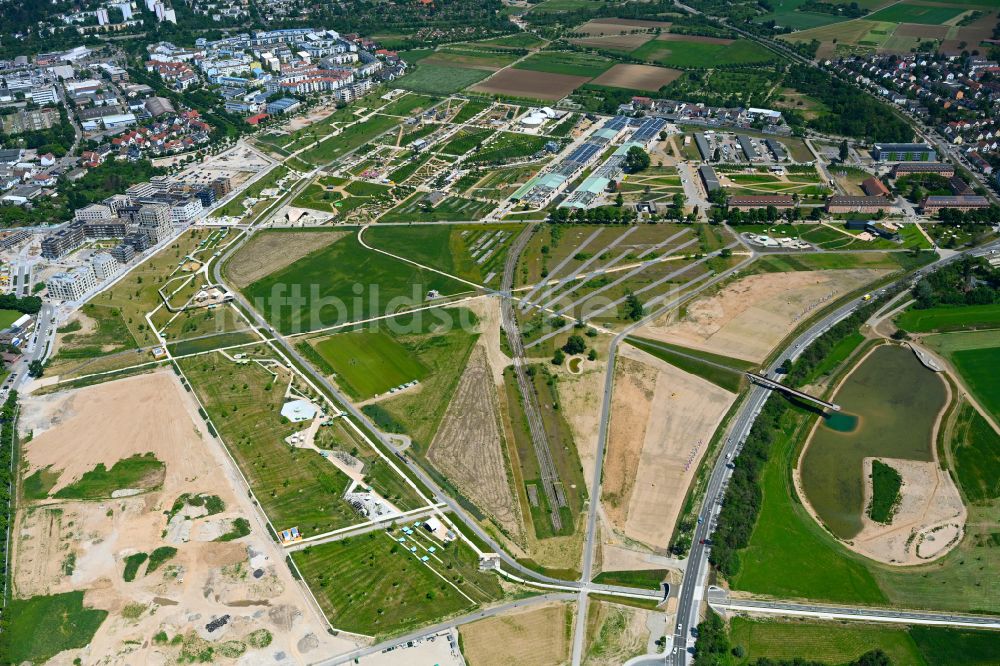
x=583 y=153
x=617 y=123
x=649 y=128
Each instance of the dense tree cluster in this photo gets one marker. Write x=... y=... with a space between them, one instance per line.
x=7 y=443
x=27 y=304
x=636 y=160
x=969 y=281
x=955 y=217
x=598 y=215
x=852 y=112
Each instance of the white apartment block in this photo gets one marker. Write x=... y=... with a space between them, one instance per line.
x=186 y=212
x=105 y=266
x=44 y=95
x=93 y=213
x=72 y=285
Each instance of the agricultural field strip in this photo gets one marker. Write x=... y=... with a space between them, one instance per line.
x=641 y=290
x=579 y=269
x=414 y=263
x=362 y=528
x=610 y=267
x=569 y=257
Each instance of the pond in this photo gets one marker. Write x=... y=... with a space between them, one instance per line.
x=889 y=404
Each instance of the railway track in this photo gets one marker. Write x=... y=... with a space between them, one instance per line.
x=551 y=485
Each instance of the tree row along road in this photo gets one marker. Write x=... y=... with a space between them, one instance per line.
x=549 y=476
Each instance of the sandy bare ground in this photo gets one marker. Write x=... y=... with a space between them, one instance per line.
x=534 y=637
x=266 y=253
x=747 y=318
x=928 y=523
x=468 y=447
x=635 y=385
x=581 y=394
x=685 y=412
x=65 y=546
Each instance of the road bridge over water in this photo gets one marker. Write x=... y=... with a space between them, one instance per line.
x=766 y=382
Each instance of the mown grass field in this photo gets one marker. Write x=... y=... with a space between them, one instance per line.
x=349 y=139
x=445 y=247
x=451 y=209
x=950 y=318
x=979 y=368
x=296 y=487
x=369 y=362
x=373 y=584
x=8 y=317
x=341 y=283
x=827 y=642
x=441 y=341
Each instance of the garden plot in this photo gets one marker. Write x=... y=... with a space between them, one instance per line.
x=747 y=318
x=121 y=554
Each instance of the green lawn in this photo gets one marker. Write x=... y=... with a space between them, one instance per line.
x=8 y=317
x=369 y=362
x=701 y=54
x=790 y=555
x=976 y=450
x=447 y=247
x=957 y=647
x=341 y=283
x=405 y=105
x=296 y=487
x=373 y=584
x=950 y=318
x=38 y=628
x=573 y=63
x=349 y=139
x=440 y=79
x=827 y=642
x=141 y=472
x=980 y=369
x=465 y=141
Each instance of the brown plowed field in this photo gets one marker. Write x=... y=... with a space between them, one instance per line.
x=637 y=77
x=526 y=83
x=468 y=446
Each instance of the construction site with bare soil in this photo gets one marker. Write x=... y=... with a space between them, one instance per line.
x=133 y=512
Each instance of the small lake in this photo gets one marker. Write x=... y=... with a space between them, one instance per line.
x=889 y=405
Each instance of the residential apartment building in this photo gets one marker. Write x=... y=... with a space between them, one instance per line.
x=763 y=201
x=104 y=266
x=848 y=204
x=73 y=284
x=935 y=203
x=62 y=240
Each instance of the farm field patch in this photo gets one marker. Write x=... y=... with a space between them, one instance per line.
x=452 y=208
x=916 y=12
x=266 y=253
x=976 y=450
x=637 y=77
x=572 y=63
x=531 y=84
